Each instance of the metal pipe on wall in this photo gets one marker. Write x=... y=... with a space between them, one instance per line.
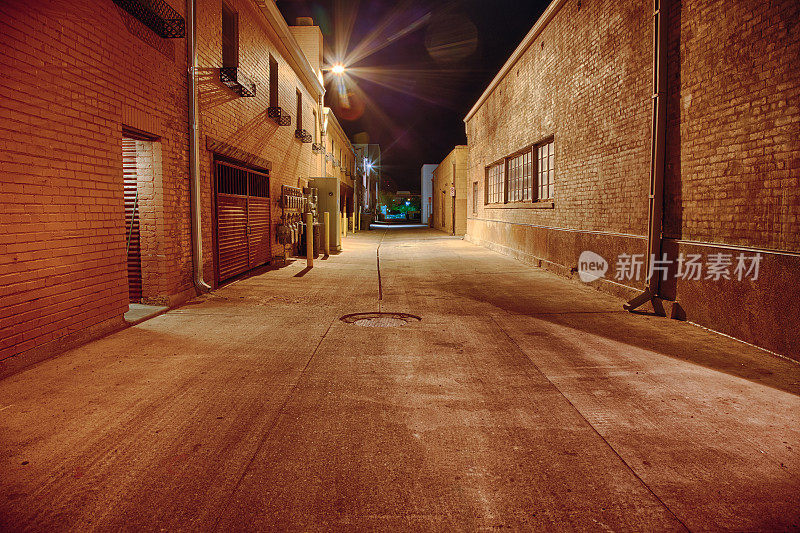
x=657 y=157
x=309 y=240
x=194 y=151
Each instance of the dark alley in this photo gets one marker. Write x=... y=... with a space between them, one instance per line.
x=541 y=408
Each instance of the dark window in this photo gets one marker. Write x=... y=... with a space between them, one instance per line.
x=273 y=82
x=235 y=180
x=299 y=110
x=258 y=184
x=475 y=198
x=316 y=126
x=230 y=38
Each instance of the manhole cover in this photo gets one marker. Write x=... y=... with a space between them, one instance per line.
x=380 y=320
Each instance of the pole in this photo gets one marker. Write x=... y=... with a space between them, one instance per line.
x=309 y=240
x=359 y=218
x=195 y=187
x=326 y=218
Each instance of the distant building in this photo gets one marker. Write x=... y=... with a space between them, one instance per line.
x=426 y=188
x=574 y=148
x=449 y=206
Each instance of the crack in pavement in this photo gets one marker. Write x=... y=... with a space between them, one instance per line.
x=380 y=283
x=594 y=429
x=271 y=427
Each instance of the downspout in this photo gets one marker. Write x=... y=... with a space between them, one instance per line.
x=194 y=152
x=657 y=157
x=320 y=125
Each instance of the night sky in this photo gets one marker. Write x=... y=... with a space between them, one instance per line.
x=415 y=68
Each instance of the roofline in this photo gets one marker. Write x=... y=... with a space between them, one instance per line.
x=543 y=21
x=291 y=50
x=329 y=113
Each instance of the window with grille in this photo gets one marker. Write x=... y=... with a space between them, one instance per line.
x=495 y=184
x=240 y=181
x=230 y=37
x=519 y=177
x=545 y=171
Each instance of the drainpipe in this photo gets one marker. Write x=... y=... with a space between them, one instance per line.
x=658 y=128
x=320 y=120
x=194 y=151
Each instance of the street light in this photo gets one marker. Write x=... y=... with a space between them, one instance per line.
x=338 y=69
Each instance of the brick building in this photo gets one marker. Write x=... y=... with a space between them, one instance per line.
x=426 y=190
x=563 y=140
x=96 y=181
x=449 y=193
x=340 y=163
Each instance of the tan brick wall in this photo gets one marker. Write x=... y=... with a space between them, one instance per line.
x=310 y=40
x=73 y=74
x=584 y=81
x=732 y=145
x=243 y=122
x=338 y=145
x=443 y=179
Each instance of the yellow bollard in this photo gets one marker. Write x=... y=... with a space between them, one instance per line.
x=309 y=240
x=326 y=218
x=359 y=219
x=344 y=224
x=354 y=220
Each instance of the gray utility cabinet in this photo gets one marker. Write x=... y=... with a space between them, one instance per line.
x=329 y=201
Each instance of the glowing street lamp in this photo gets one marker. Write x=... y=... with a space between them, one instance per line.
x=338 y=69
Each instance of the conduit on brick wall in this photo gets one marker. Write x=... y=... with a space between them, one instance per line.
x=194 y=150
x=658 y=129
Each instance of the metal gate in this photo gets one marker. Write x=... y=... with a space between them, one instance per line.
x=243 y=219
x=132 y=236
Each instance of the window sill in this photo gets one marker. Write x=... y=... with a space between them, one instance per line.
x=546 y=204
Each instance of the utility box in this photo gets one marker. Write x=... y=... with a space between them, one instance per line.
x=329 y=201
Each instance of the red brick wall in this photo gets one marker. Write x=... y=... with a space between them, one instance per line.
x=243 y=122
x=72 y=74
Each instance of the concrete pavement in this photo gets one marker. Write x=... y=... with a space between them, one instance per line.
x=520 y=400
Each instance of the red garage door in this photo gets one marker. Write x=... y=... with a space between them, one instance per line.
x=243 y=219
x=132 y=241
